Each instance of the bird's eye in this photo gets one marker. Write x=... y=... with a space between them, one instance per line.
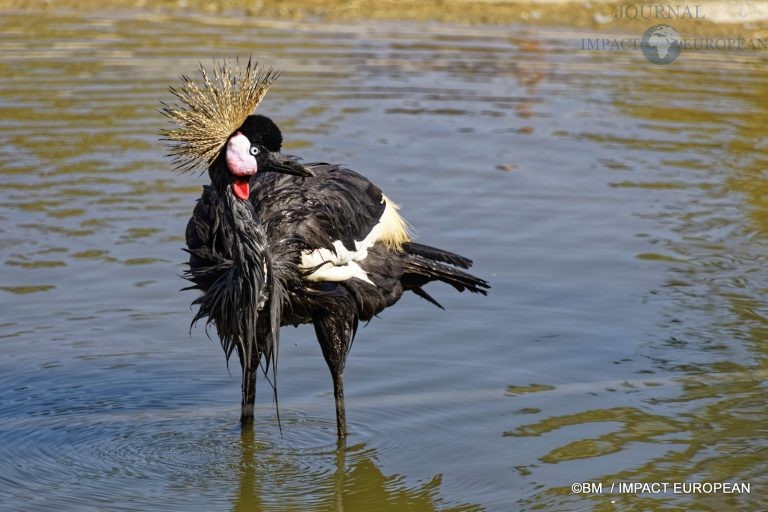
x=254 y=151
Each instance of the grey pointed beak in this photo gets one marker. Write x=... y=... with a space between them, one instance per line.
x=287 y=165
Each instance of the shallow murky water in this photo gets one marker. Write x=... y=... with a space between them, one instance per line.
x=618 y=208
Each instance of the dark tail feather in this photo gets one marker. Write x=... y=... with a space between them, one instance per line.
x=420 y=270
x=427 y=297
x=433 y=253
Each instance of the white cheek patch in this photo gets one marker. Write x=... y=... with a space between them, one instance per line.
x=239 y=159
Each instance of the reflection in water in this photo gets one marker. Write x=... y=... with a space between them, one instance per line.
x=248 y=489
x=356 y=483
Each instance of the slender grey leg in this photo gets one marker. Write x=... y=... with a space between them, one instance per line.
x=250 y=364
x=338 y=395
x=335 y=332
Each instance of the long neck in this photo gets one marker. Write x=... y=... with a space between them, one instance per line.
x=249 y=289
x=249 y=251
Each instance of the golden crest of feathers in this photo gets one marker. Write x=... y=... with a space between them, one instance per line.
x=211 y=108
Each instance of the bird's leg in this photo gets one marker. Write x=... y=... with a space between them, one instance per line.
x=335 y=332
x=338 y=395
x=250 y=364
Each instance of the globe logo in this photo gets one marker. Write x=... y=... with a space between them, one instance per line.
x=661 y=44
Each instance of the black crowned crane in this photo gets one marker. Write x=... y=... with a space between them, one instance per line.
x=274 y=242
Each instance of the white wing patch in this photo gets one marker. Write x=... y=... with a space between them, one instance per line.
x=344 y=264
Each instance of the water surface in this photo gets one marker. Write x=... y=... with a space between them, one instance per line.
x=618 y=209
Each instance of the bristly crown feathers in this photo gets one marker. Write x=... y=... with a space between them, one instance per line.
x=211 y=109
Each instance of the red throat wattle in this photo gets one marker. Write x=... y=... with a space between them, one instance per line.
x=241 y=186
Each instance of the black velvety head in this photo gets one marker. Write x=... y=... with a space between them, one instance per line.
x=262 y=130
x=252 y=148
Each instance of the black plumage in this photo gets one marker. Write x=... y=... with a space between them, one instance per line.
x=250 y=257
